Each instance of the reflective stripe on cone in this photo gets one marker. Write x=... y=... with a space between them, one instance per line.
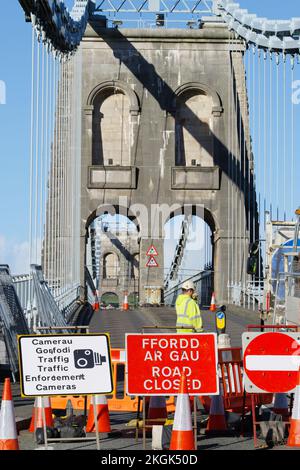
x=182 y=434
x=37 y=414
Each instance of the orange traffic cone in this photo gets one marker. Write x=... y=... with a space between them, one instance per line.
x=182 y=435
x=157 y=413
x=37 y=414
x=125 y=302
x=213 y=306
x=96 y=303
x=102 y=415
x=216 y=420
x=294 y=434
x=8 y=429
x=280 y=406
x=31 y=426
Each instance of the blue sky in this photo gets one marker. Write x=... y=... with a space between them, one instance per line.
x=15 y=71
x=273 y=9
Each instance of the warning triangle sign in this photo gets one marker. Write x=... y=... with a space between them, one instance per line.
x=152 y=251
x=152 y=263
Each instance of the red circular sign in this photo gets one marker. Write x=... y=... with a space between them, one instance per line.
x=269 y=360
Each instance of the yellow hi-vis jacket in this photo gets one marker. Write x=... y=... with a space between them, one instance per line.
x=188 y=315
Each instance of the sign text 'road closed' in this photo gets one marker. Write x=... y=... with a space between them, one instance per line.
x=155 y=363
x=74 y=364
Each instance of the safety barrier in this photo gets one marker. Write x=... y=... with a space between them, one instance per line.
x=118 y=400
x=60 y=403
x=231 y=370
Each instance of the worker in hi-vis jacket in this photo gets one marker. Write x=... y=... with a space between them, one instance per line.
x=187 y=309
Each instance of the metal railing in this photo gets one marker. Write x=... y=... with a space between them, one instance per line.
x=12 y=319
x=204 y=286
x=179 y=252
x=287 y=307
x=249 y=295
x=23 y=288
x=66 y=299
x=26 y=303
x=45 y=311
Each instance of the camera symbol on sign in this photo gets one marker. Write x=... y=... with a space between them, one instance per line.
x=87 y=359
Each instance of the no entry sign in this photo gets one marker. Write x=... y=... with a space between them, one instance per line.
x=71 y=364
x=155 y=363
x=271 y=361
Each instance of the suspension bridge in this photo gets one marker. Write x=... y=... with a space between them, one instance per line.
x=149 y=116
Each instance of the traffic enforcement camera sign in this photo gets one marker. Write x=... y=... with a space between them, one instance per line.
x=271 y=361
x=71 y=364
x=155 y=363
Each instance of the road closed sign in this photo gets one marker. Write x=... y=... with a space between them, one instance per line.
x=155 y=363
x=65 y=365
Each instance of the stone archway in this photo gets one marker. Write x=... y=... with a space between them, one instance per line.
x=110 y=298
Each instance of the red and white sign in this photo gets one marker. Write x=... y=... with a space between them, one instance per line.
x=155 y=363
x=271 y=361
x=152 y=251
x=118 y=355
x=152 y=263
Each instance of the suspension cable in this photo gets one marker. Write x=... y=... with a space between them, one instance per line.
x=293 y=145
x=37 y=142
x=270 y=169
x=265 y=152
x=254 y=178
x=284 y=137
x=46 y=174
x=42 y=149
x=31 y=165
x=277 y=135
x=55 y=178
x=52 y=184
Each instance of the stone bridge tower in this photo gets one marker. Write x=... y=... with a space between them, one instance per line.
x=165 y=129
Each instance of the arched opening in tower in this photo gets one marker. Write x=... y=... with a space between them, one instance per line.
x=194 y=118
x=112 y=257
x=188 y=254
